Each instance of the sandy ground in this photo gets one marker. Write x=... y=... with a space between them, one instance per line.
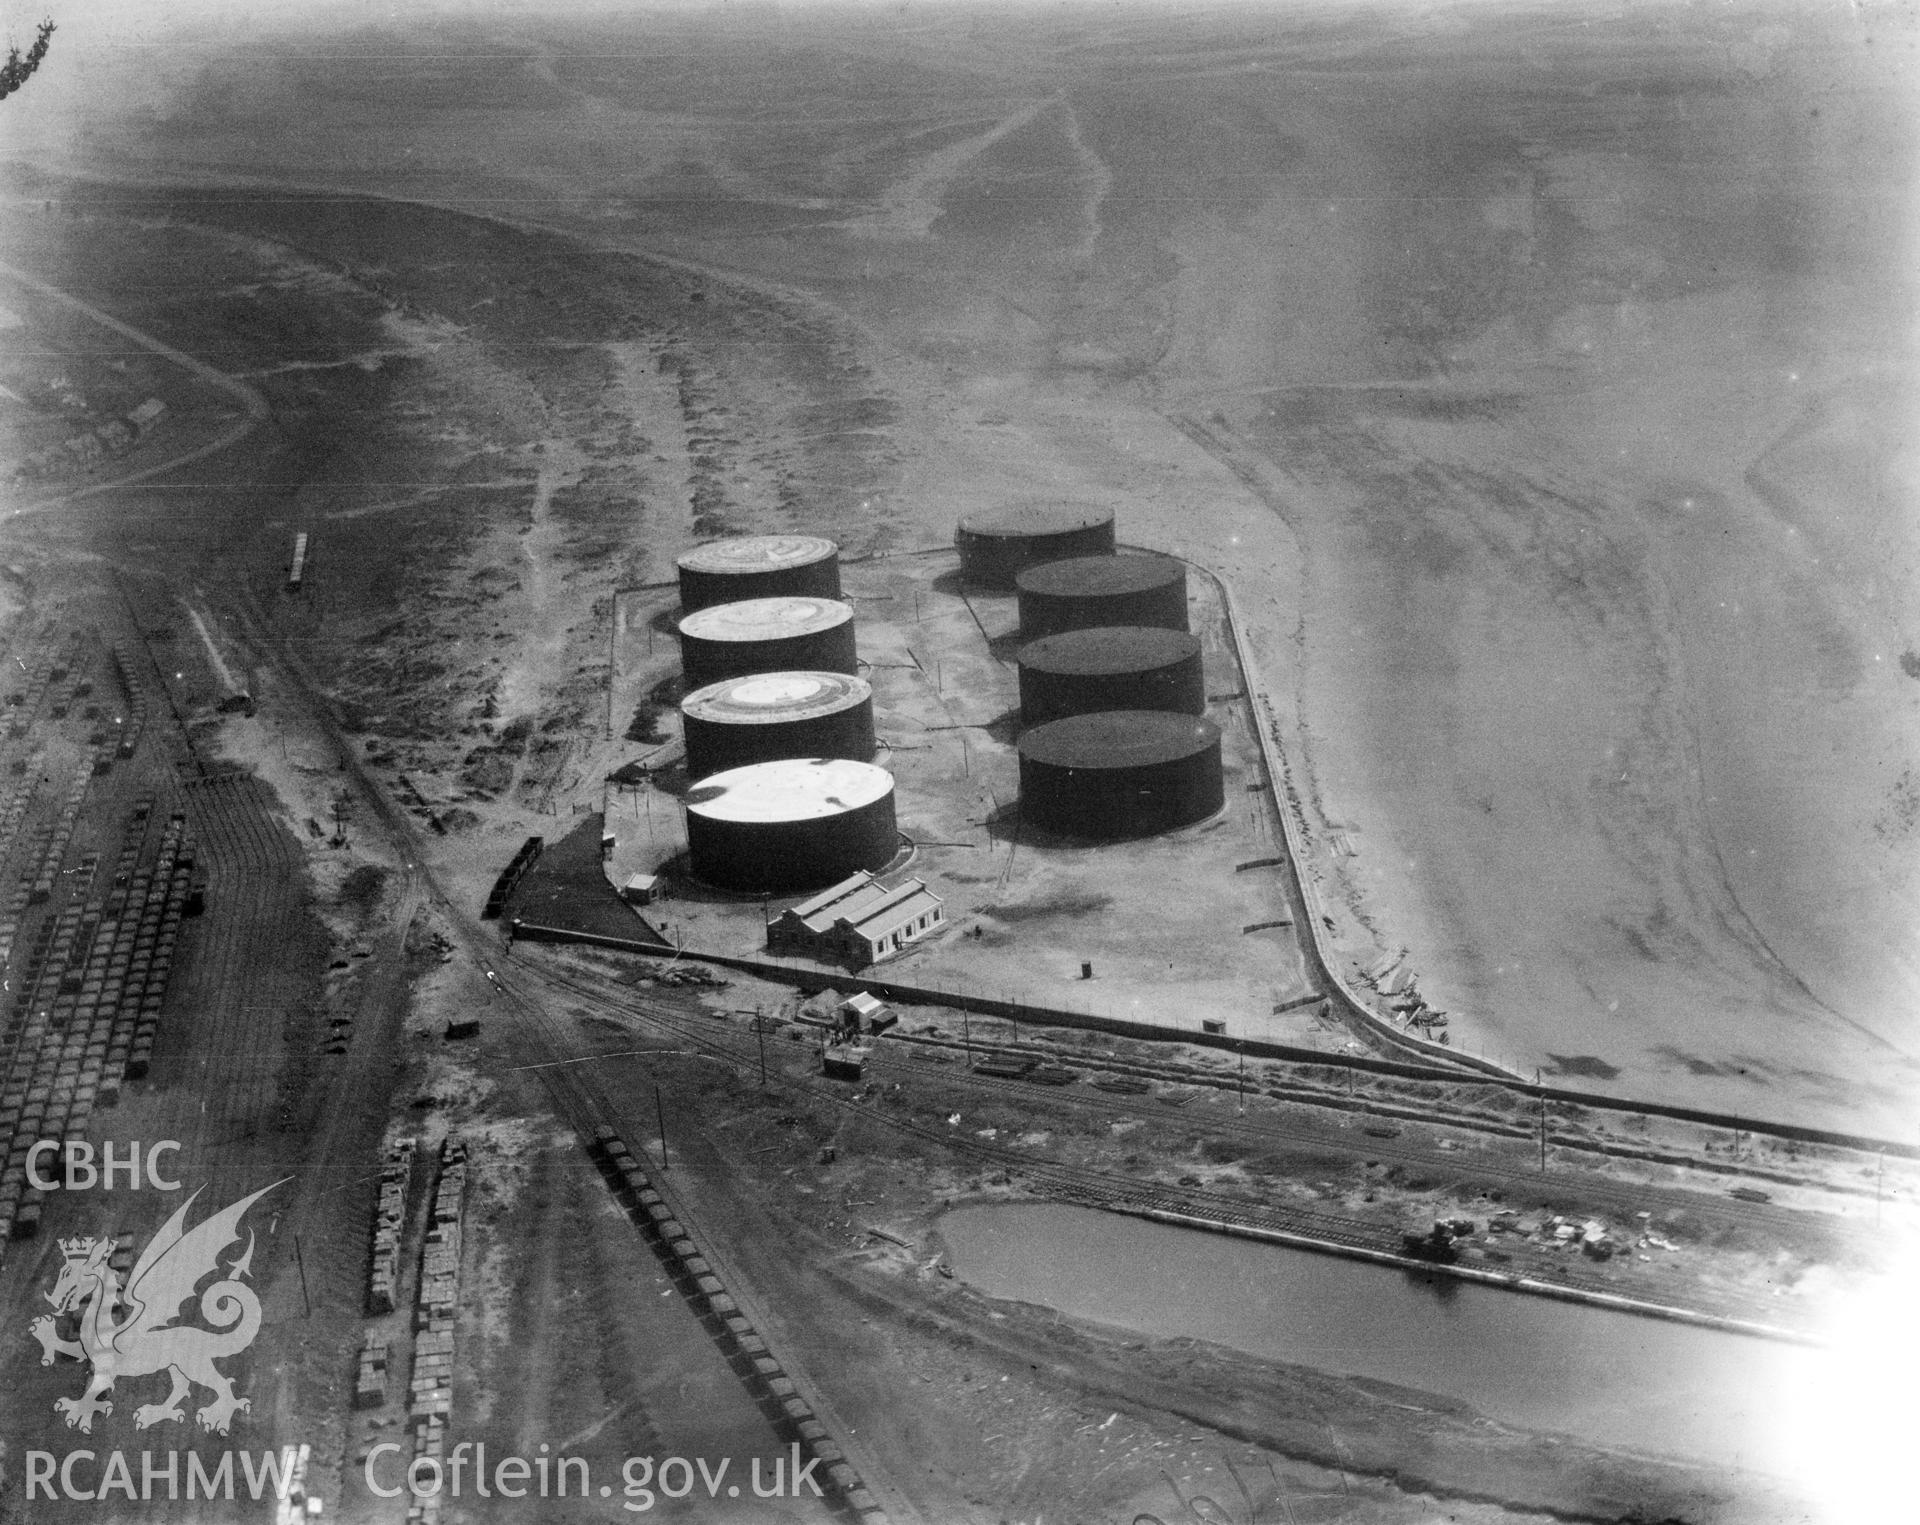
x=1568 y=506
x=1542 y=418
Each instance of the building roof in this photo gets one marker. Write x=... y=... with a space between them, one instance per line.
x=912 y=899
x=850 y=898
x=863 y=1004
x=865 y=904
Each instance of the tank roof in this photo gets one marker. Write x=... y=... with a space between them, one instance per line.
x=1017 y=520
x=757 y=553
x=769 y=697
x=1119 y=739
x=793 y=789
x=765 y=619
x=1104 y=649
x=1100 y=575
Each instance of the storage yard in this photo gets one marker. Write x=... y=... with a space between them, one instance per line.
x=1029 y=903
x=935 y=643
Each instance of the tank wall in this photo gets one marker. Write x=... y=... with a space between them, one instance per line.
x=1163 y=607
x=1179 y=687
x=829 y=650
x=1111 y=803
x=714 y=747
x=780 y=857
x=995 y=560
x=814 y=579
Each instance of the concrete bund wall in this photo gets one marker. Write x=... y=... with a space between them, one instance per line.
x=1325 y=963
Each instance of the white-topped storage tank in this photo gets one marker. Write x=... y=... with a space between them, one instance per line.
x=766 y=716
x=797 y=824
x=790 y=634
x=758 y=566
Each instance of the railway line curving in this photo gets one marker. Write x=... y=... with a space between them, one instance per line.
x=1195 y=1206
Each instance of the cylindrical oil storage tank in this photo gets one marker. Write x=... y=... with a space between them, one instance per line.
x=1102 y=590
x=766 y=716
x=1120 y=773
x=794 y=634
x=997 y=545
x=1131 y=667
x=796 y=824
x=758 y=566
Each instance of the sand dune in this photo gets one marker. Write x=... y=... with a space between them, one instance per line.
x=1578 y=353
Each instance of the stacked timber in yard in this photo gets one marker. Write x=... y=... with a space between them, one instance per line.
x=370 y=1380
x=13 y=810
x=389 y=1225
x=693 y=1274
x=85 y=1000
x=52 y=845
x=430 y=1392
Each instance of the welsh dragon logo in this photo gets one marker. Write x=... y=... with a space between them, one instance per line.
x=149 y=1338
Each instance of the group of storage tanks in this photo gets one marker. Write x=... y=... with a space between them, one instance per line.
x=1114 y=739
x=779 y=725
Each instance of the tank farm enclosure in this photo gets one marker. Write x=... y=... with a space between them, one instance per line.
x=1172 y=918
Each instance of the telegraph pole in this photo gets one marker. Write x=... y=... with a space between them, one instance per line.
x=1541 y=1093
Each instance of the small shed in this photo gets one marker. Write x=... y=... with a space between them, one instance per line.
x=861 y=1012
x=640 y=889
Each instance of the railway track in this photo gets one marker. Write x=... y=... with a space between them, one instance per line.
x=537 y=1041
x=584 y=1097
x=1625 y=1197
x=1080 y=1185
x=229 y=1016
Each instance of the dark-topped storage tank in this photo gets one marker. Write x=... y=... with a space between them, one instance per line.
x=796 y=824
x=1085 y=591
x=1109 y=667
x=997 y=545
x=766 y=635
x=758 y=566
x=1120 y=773
x=766 y=716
